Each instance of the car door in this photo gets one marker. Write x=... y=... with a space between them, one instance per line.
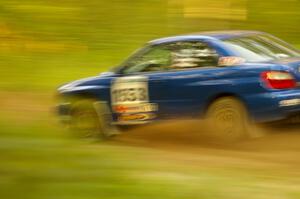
x=187 y=81
x=140 y=93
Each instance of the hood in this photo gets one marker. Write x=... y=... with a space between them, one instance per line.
x=87 y=83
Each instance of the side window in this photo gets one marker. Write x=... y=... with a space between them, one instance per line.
x=155 y=58
x=177 y=55
x=192 y=55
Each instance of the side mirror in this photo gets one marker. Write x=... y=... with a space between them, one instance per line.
x=152 y=67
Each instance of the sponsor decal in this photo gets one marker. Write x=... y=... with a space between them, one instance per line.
x=230 y=61
x=135 y=108
x=136 y=117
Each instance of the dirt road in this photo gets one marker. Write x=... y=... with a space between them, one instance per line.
x=179 y=140
x=278 y=151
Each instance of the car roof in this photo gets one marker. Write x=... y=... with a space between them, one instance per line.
x=213 y=35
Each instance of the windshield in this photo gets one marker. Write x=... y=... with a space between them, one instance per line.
x=136 y=53
x=261 y=48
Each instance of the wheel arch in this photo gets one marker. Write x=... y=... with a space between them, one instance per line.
x=68 y=100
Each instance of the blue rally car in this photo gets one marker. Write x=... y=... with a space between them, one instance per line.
x=230 y=78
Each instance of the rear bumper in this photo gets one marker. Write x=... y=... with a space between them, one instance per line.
x=292 y=119
x=275 y=106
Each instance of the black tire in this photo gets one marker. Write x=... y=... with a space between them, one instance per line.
x=229 y=121
x=90 y=119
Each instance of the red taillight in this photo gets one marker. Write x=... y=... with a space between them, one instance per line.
x=278 y=80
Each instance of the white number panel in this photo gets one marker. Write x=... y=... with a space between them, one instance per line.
x=129 y=90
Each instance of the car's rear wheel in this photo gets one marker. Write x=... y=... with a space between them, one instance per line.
x=90 y=119
x=229 y=121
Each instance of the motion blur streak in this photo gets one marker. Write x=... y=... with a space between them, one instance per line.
x=46 y=43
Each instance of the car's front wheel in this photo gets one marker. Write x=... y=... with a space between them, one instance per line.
x=90 y=119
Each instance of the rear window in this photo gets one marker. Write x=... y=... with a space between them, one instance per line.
x=261 y=48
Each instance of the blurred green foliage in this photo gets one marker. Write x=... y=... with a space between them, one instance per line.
x=45 y=164
x=45 y=43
